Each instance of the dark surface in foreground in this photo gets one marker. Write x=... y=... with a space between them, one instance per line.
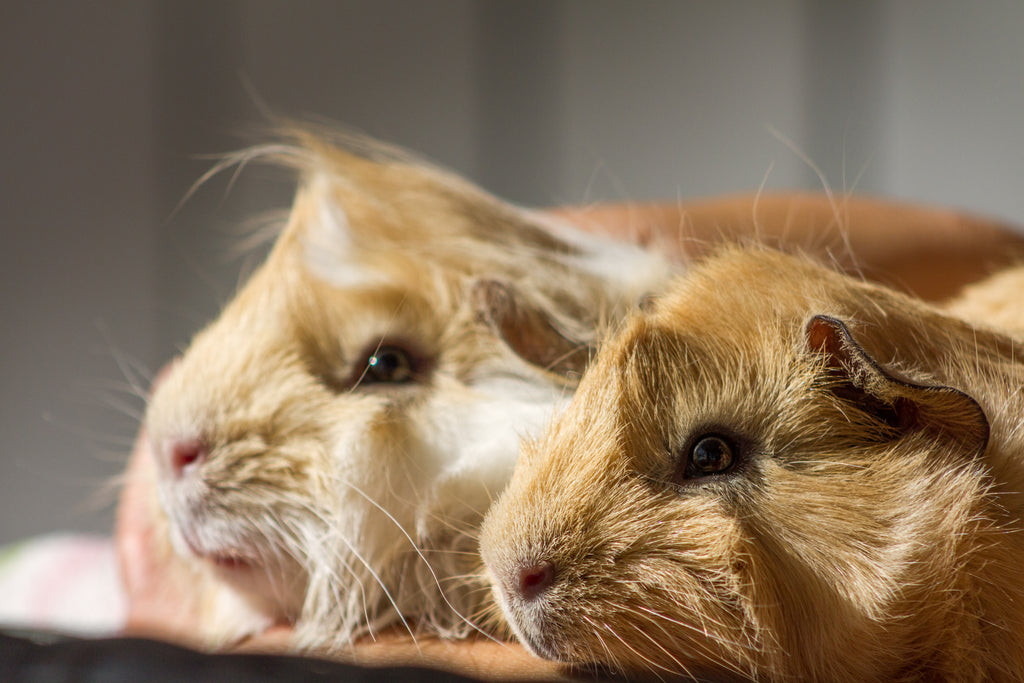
x=29 y=657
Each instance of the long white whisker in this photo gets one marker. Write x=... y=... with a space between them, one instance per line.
x=629 y=646
x=380 y=584
x=419 y=553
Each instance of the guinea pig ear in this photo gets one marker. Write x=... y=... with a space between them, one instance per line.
x=527 y=330
x=904 y=405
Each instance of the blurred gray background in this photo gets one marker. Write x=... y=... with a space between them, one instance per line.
x=107 y=108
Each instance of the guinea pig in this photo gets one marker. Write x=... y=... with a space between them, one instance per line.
x=995 y=301
x=326 y=449
x=778 y=473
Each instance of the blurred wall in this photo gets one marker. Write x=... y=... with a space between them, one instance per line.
x=107 y=108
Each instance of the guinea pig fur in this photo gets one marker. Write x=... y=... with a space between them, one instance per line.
x=993 y=302
x=779 y=473
x=327 y=447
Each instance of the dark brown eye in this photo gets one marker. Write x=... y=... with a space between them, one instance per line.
x=390 y=364
x=710 y=454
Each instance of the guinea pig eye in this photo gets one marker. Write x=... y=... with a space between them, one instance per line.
x=390 y=364
x=709 y=454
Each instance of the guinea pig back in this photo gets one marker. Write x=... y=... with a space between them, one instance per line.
x=777 y=473
x=326 y=448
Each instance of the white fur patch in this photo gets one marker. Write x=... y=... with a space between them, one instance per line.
x=328 y=247
x=630 y=267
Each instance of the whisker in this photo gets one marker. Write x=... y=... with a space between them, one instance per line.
x=422 y=557
x=652 y=665
x=610 y=657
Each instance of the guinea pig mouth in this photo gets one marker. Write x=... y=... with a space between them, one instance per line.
x=540 y=646
x=223 y=559
x=534 y=633
x=228 y=559
x=230 y=562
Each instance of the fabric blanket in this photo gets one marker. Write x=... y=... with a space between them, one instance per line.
x=68 y=583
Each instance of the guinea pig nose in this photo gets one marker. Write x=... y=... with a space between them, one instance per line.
x=185 y=454
x=535 y=578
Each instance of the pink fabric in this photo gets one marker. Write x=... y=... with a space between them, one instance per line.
x=62 y=582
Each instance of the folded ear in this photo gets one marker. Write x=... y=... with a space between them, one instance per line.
x=528 y=330
x=904 y=405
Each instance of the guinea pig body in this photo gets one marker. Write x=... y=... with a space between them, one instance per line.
x=994 y=302
x=777 y=473
x=326 y=448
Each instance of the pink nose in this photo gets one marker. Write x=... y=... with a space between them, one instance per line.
x=535 y=578
x=185 y=455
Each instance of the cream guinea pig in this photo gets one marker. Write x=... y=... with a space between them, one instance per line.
x=326 y=448
x=780 y=473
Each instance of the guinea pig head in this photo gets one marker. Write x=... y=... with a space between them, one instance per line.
x=327 y=446
x=739 y=488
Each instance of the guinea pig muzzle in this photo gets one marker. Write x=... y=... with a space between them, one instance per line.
x=524 y=591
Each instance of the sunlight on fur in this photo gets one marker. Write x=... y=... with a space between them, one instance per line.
x=778 y=472
x=327 y=447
